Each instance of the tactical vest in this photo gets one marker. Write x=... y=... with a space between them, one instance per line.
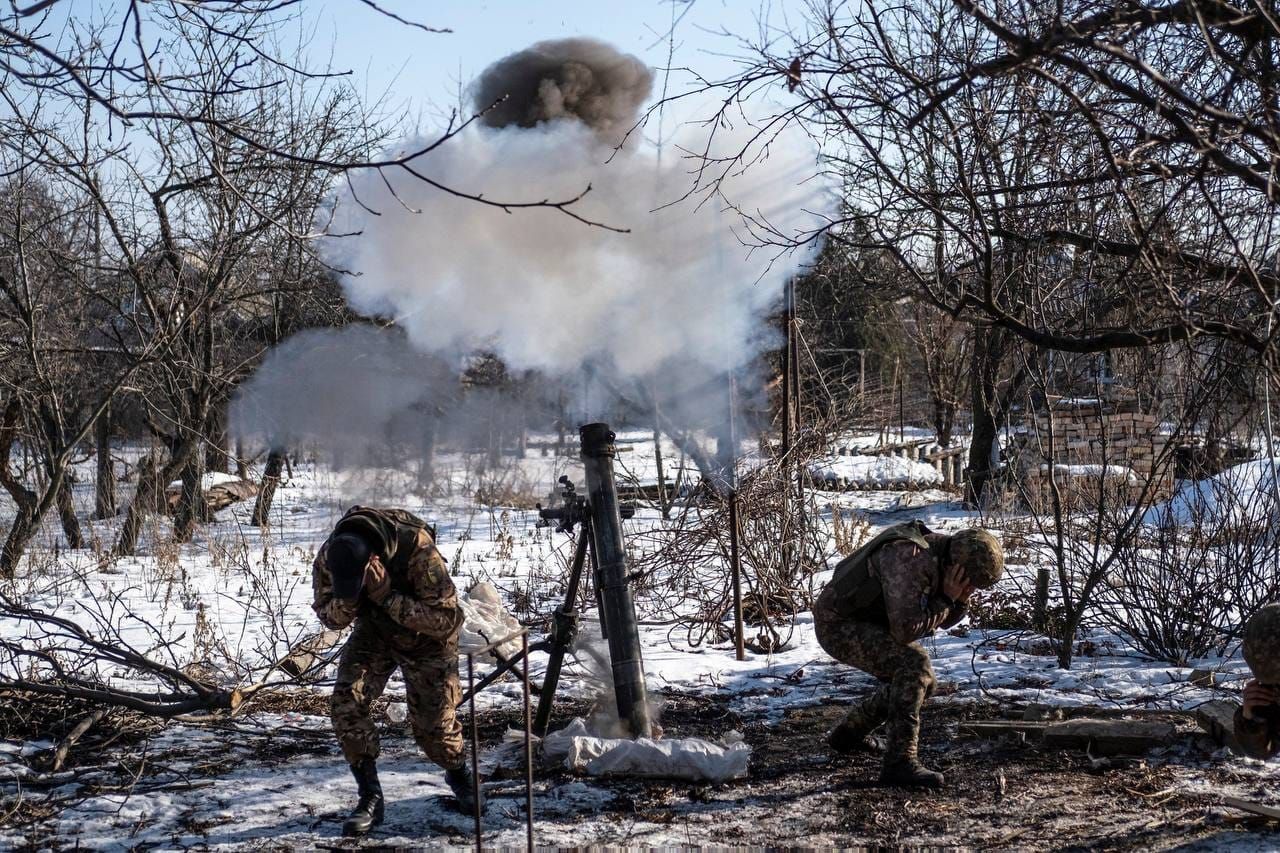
x=855 y=591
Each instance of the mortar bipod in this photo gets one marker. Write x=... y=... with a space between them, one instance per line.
x=574 y=512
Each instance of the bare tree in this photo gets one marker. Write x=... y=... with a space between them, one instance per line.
x=135 y=65
x=945 y=347
x=1060 y=174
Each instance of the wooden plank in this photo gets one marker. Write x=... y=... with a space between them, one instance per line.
x=1251 y=807
x=1001 y=728
x=1109 y=737
x=1218 y=718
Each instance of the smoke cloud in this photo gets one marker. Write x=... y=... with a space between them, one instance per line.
x=684 y=291
x=661 y=311
x=349 y=389
x=578 y=78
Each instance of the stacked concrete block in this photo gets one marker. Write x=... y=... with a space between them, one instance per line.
x=1092 y=446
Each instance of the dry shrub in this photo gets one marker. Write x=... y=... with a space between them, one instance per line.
x=684 y=564
x=1180 y=591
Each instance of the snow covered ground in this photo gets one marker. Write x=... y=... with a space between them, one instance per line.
x=1243 y=494
x=868 y=471
x=236 y=598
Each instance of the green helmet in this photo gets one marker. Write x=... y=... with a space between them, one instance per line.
x=1262 y=644
x=979 y=553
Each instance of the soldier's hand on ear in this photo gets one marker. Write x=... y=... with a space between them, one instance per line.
x=377 y=585
x=955 y=583
x=1258 y=696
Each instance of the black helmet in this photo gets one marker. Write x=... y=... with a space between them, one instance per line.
x=346 y=557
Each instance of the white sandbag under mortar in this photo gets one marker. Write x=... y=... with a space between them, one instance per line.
x=694 y=759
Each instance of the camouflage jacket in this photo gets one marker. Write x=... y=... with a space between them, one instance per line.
x=911 y=579
x=422 y=607
x=1259 y=737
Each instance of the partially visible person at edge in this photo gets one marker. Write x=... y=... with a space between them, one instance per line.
x=1257 y=723
x=901 y=586
x=380 y=569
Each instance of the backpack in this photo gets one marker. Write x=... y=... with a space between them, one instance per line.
x=404 y=518
x=855 y=590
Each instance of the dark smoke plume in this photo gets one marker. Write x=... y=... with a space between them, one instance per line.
x=578 y=78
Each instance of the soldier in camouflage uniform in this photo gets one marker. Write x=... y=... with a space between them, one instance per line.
x=901 y=586
x=380 y=568
x=1257 y=725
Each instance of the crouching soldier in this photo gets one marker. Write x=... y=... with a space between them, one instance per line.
x=380 y=568
x=902 y=585
x=1258 y=719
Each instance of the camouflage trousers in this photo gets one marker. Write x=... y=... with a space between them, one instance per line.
x=903 y=668
x=431 y=687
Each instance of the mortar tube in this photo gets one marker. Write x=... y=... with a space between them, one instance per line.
x=615 y=595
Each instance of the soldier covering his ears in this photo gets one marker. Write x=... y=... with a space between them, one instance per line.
x=901 y=586
x=380 y=569
x=1257 y=723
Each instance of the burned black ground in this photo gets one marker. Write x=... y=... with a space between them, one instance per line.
x=1000 y=794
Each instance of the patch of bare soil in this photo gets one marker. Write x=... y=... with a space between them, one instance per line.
x=1000 y=794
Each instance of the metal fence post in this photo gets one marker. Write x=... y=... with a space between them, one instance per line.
x=523 y=635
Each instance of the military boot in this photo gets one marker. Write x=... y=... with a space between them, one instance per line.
x=854 y=734
x=908 y=772
x=368 y=811
x=901 y=762
x=846 y=738
x=464 y=787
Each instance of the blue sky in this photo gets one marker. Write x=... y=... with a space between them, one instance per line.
x=421 y=72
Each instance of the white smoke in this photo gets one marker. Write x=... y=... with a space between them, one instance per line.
x=352 y=388
x=685 y=289
x=656 y=301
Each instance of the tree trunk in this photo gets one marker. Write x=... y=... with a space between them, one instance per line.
x=67 y=513
x=979 y=472
x=662 y=474
x=143 y=501
x=104 y=505
x=59 y=482
x=1067 y=642
x=149 y=498
x=218 y=452
x=15 y=544
x=270 y=479
x=192 y=507
x=495 y=436
x=726 y=453
x=987 y=354
x=562 y=419
x=26 y=501
x=944 y=420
